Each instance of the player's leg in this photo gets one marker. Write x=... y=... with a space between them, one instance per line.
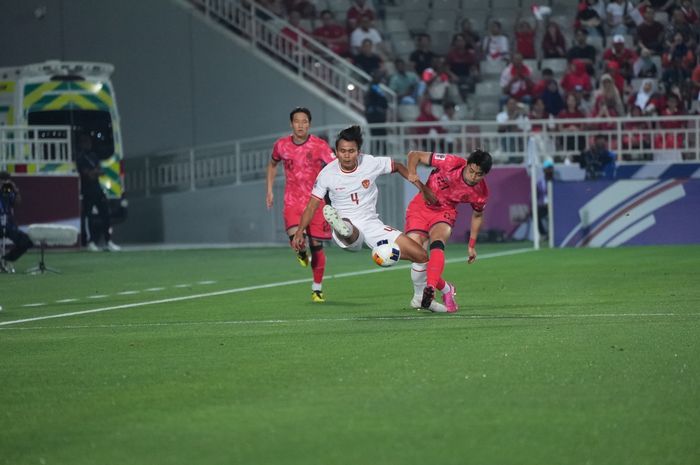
x=88 y=204
x=438 y=236
x=292 y=213
x=418 y=221
x=302 y=255
x=343 y=228
x=318 y=231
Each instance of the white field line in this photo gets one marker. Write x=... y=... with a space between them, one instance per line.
x=240 y=289
x=420 y=315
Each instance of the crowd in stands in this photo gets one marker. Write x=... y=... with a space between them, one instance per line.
x=622 y=57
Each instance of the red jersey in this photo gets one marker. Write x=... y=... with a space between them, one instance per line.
x=447 y=183
x=302 y=163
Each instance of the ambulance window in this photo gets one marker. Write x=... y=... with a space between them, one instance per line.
x=96 y=123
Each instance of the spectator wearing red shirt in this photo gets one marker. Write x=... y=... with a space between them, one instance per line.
x=695 y=82
x=671 y=140
x=690 y=13
x=572 y=111
x=538 y=112
x=516 y=80
x=358 y=10
x=525 y=39
x=636 y=133
x=623 y=56
x=332 y=35
x=650 y=34
x=462 y=55
x=290 y=46
x=553 y=42
x=577 y=76
x=541 y=85
x=613 y=69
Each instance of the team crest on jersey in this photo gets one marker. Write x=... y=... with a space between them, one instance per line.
x=439 y=156
x=365 y=183
x=309 y=156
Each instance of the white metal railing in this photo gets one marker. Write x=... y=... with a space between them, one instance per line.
x=305 y=56
x=38 y=145
x=246 y=159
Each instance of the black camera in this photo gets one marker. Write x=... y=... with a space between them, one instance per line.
x=7 y=188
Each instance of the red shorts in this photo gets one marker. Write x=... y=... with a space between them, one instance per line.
x=318 y=228
x=420 y=218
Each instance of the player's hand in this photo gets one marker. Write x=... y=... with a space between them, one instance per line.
x=298 y=242
x=269 y=200
x=429 y=195
x=413 y=178
x=472 y=255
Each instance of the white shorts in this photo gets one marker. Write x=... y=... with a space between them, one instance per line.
x=371 y=232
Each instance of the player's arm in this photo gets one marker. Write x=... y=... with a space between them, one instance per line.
x=414 y=158
x=477 y=219
x=271 y=174
x=298 y=239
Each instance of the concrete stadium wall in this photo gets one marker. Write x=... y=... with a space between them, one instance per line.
x=178 y=81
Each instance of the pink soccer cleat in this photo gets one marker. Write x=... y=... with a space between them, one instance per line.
x=448 y=298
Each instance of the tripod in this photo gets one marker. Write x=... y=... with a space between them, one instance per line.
x=3 y=246
x=41 y=267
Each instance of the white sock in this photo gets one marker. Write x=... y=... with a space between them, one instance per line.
x=445 y=289
x=315 y=286
x=419 y=276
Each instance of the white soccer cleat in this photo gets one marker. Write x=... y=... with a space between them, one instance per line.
x=435 y=306
x=92 y=247
x=112 y=247
x=336 y=222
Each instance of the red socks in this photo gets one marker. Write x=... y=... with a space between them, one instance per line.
x=318 y=264
x=436 y=266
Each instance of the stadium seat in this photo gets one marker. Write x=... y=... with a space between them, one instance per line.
x=488 y=110
x=447 y=15
x=490 y=88
x=446 y=5
x=596 y=42
x=532 y=64
x=636 y=83
x=415 y=20
x=395 y=25
x=408 y=112
x=557 y=65
x=440 y=25
x=339 y=8
x=403 y=47
x=492 y=68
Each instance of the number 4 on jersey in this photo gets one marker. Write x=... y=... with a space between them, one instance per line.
x=355 y=198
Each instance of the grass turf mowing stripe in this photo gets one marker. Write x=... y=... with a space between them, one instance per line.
x=237 y=290
x=421 y=317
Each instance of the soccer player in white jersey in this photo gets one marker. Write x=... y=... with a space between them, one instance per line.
x=350 y=182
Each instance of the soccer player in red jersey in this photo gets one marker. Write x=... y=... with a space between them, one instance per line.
x=303 y=155
x=453 y=180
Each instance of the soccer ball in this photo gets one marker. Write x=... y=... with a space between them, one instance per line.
x=386 y=253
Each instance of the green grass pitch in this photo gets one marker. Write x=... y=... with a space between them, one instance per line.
x=577 y=356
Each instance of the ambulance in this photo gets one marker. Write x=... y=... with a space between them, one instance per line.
x=77 y=96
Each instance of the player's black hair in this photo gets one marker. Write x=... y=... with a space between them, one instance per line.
x=351 y=134
x=304 y=110
x=5 y=176
x=482 y=159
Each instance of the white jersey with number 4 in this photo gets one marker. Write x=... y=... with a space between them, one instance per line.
x=353 y=193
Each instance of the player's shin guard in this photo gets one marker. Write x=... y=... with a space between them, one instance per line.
x=318 y=263
x=436 y=264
